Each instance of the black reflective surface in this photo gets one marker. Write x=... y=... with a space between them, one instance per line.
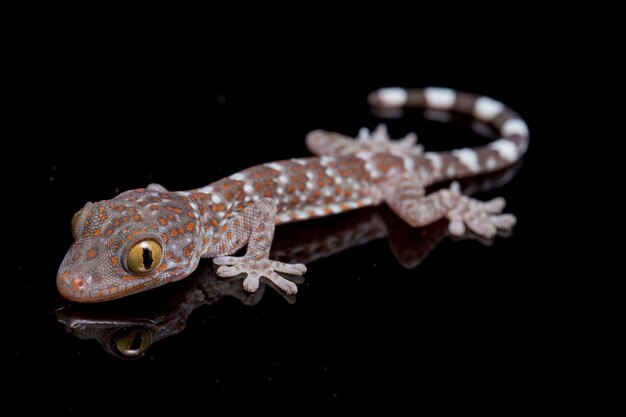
x=395 y=315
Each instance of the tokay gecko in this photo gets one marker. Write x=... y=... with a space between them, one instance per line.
x=148 y=237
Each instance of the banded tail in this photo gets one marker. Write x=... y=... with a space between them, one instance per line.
x=499 y=154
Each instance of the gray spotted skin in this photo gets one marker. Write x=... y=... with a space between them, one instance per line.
x=242 y=210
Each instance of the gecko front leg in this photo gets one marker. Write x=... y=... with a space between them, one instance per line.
x=260 y=221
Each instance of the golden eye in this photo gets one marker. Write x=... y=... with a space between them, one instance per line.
x=144 y=256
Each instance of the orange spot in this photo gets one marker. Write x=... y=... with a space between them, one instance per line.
x=331 y=181
x=89 y=214
x=205 y=240
x=257 y=175
x=301 y=186
x=181 y=230
x=327 y=210
x=348 y=192
x=161 y=267
x=153 y=226
x=320 y=183
x=291 y=188
x=102 y=217
x=311 y=213
x=174 y=232
x=218 y=207
x=120 y=209
x=137 y=217
x=173 y=209
x=170 y=216
x=143 y=230
x=216 y=240
x=154 y=207
x=317 y=193
x=213 y=222
x=114 y=260
x=258 y=186
x=190 y=226
x=101 y=209
x=116 y=223
x=268 y=193
x=125 y=219
x=164 y=237
x=162 y=221
x=92 y=253
x=64 y=276
x=96 y=233
x=77 y=284
x=344 y=206
x=86 y=223
x=190 y=214
x=338 y=190
x=229 y=196
x=186 y=252
x=135 y=232
x=113 y=290
x=229 y=235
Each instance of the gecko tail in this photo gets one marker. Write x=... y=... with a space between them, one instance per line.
x=501 y=153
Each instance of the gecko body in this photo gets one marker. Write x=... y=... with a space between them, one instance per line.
x=145 y=238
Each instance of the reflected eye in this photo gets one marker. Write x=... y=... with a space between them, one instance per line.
x=144 y=256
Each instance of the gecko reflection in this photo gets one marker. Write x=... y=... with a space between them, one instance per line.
x=126 y=328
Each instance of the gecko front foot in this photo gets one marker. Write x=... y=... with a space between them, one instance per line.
x=482 y=217
x=255 y=269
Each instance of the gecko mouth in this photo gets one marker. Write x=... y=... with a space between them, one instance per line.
x=78 y=288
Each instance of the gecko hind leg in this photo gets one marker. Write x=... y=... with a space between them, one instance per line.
x=256 y=263
x=406 y=198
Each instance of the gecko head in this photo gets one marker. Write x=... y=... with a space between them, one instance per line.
x=138 y=240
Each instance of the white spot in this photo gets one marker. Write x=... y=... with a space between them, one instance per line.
x=310 y=175
x=248 y=189
x=487 y=108
x=338 y=179
x=283 y=179
x=302 y=215
x=514 y=126
x=279 y=190
x=335 y=208
x=246 y=199
x=440 y=98
x=468 y=158
x=216 y=199
x=298 y=161
x=450 y=171
x=329 y=172
x=328 y=192
x=364 y=155
x=310 y=185
x=352 y=204
x=506 y=148
x=325 y=160
x=491 y=163
x=408 y=163
x=237 y=177
x=367 y=201
x=284 y=217
x=274 y=166
x=393 y=96
x=434 y=159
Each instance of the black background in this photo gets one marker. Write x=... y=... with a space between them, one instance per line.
x=101 y=113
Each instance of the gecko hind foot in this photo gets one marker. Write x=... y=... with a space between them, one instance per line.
x=484 y=218
x=236 y=265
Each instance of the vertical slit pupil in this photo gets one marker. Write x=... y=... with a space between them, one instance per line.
x=136 y=343
x=147 y=258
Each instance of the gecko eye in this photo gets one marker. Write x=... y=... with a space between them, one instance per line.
x=144 y=256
